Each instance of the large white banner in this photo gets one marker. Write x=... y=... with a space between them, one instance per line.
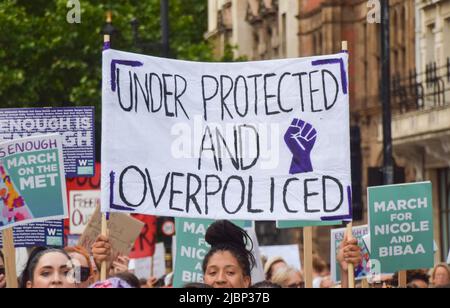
x=262 y=140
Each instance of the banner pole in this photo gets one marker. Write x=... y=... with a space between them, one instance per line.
x=402 y=279
x=351 y=268
x=103 y=274
x=308 y=257
x=10 y=259
x=103 y=269
x=152 y=266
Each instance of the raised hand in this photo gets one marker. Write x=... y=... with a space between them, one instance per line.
x=300 y=139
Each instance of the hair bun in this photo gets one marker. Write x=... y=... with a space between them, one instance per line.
x=224 y=232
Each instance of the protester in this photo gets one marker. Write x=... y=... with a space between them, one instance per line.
x=83 y=269
x=321 y=273
x=111 y=283
x=272 y=266
x=120 y=265
x=101 y=251
x=265 y=285
x=129 y=278
x=288 y=277
x=2 y=271
x=419 y=279
x=229 y=263
x=196 y=285
x=143 y=283
x=48 y=268
x=320 y=267
x=440 y=276
x=416 y=279
x=349 y=253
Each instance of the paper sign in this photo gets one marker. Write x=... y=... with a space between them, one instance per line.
x=47 y=233
x=142 y=267
x=32 y=181
x=74 y=124
x=266 y=140
x=337 y=236
x=401 y=226
x=82 y=205
x=123 y=231
x=145 y=243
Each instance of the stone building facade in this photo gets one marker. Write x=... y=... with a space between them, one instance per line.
x=420 y=72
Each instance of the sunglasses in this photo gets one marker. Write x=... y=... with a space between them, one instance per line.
x=2 y=271
x=84 y=272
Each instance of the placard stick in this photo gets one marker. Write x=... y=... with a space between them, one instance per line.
x=10 y=259
x=308 y=258
x=106 y=41
x=104 y=233
x=152 y=265
x=402 y=279
x=351 y=268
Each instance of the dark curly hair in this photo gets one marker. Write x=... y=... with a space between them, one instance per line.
x=222 y=235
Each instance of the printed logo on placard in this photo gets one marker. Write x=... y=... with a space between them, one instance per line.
x=54 y=241
x=168 y=228
x=85 y=167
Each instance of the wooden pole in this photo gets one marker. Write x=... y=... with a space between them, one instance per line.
x=9 y=252
x=103 y=273
x=402 y=279
x=351 y=268
x=152 y=266
x=308 y=257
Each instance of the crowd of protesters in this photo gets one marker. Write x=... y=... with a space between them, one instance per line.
x=228 y=264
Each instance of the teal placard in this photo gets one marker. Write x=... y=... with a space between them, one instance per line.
x=290 y=224
x=191 y=249
x=401 y=226
x=32 y=182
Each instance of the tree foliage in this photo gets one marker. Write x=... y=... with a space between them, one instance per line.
x=47 y=61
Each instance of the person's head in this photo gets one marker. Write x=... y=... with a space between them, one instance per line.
x=111 y=283
x=229 y=263
x=143 y=283
x=320 y=267
x=129 y=278
x=288 y=277
x=265 y=285
x=48 y=268
x=83 y=269
x=197 y=285
x=441 y=275
x=420 y=279
x=272 y=266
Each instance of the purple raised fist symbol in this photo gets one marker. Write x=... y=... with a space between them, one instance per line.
x=300 y=139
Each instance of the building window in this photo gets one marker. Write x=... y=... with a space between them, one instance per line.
x=447 y=35
x=430 y=39
x=444 y=210
x=284 y=35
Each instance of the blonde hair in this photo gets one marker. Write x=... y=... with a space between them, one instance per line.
x=442 y=265
x=281 y=276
